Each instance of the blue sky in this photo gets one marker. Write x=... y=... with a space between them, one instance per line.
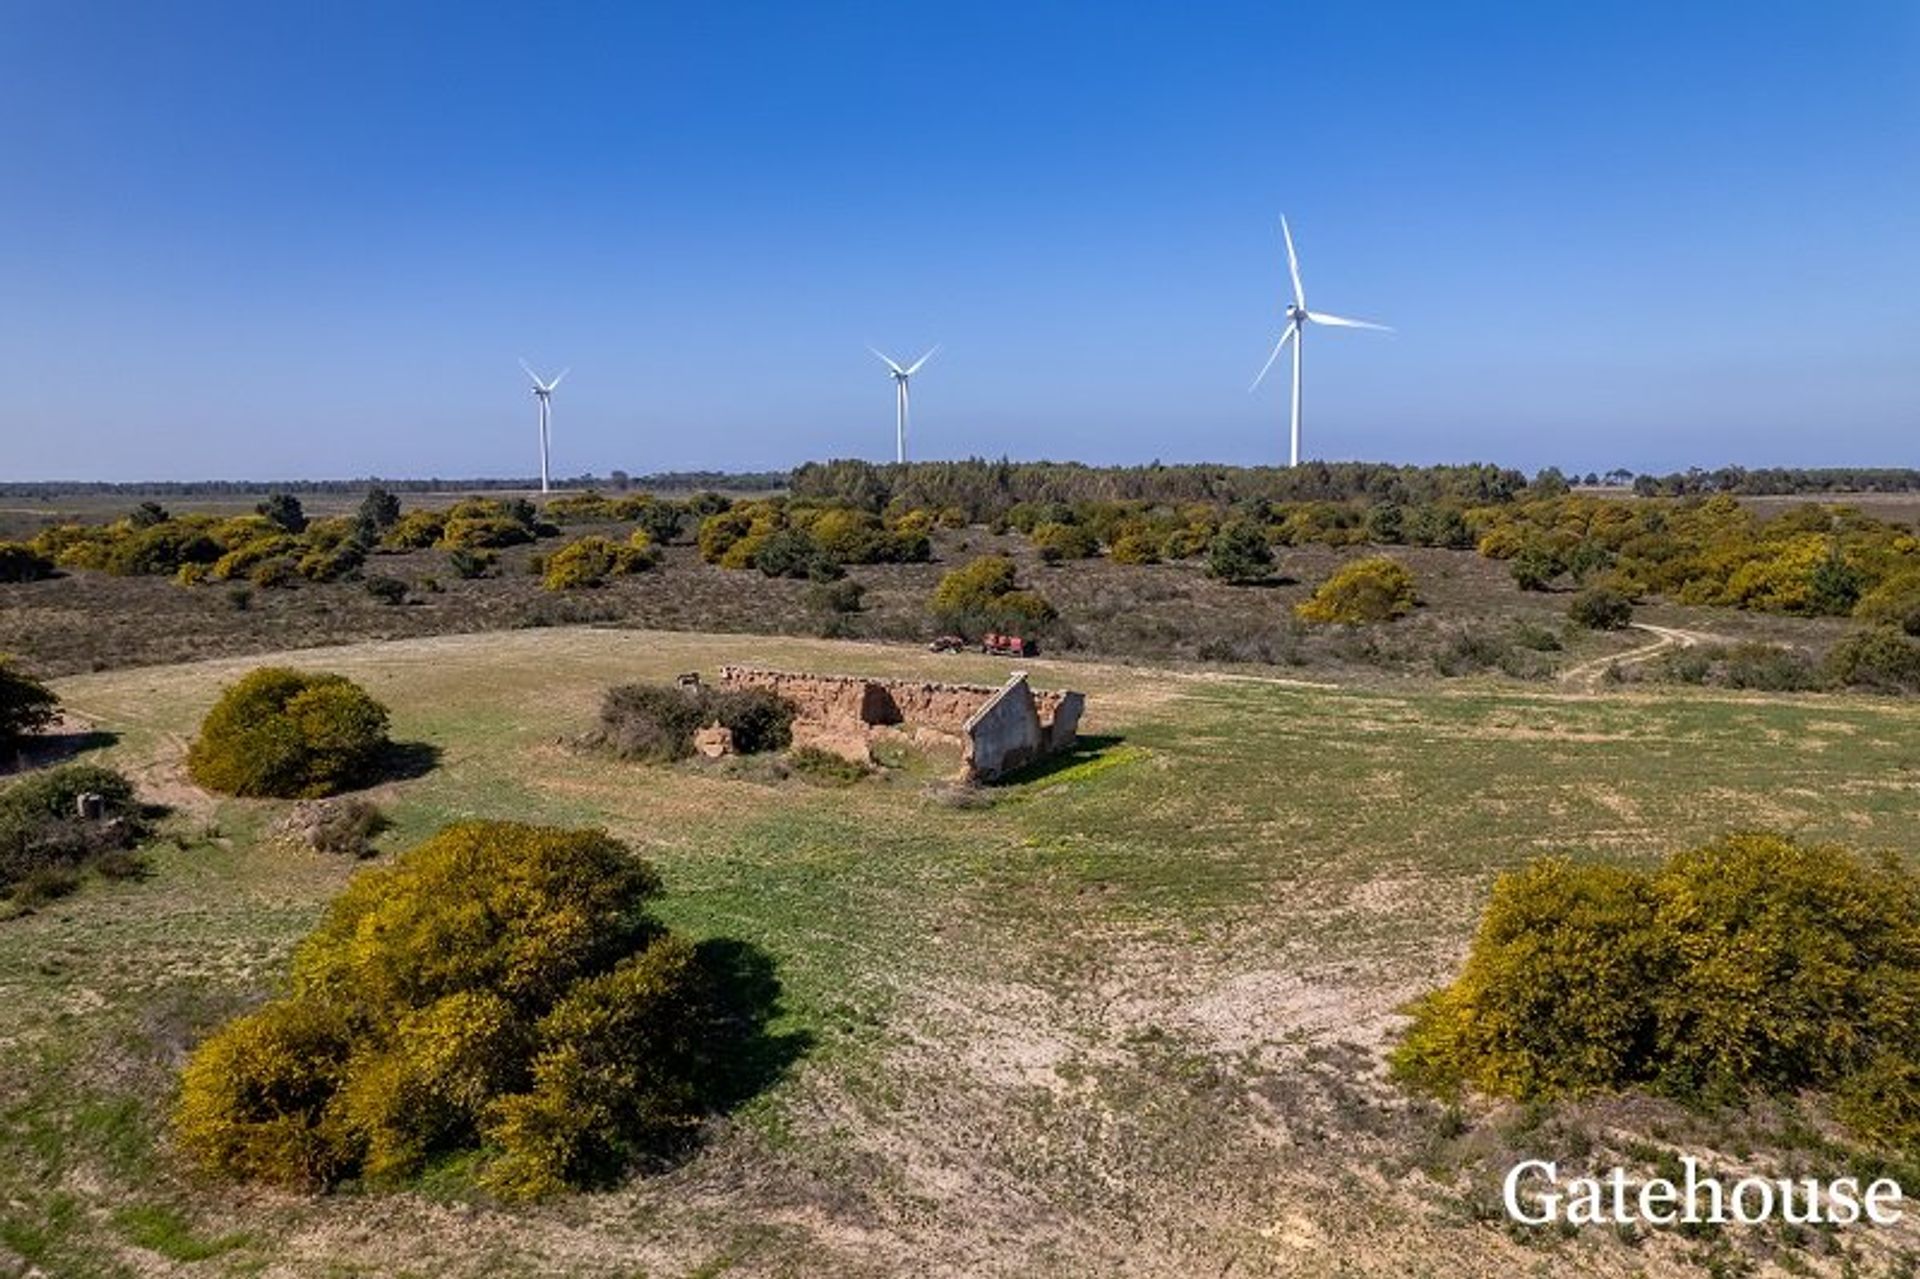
x=281 y=240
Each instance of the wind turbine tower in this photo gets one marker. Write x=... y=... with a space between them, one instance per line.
x=900 y=379
x=1298 y=318
x=543 y=392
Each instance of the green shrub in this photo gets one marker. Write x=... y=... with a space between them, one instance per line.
x=1554 y=994
x=259 y=1100
x=388 y=590
x=284 y=509
x=1894 y=602
x=26 y=705
x=1793 y=966
x=469 y=564
x=41 y=828
x=983 y=595
x=500 y=988
x=286 y=733
x=416 y=530
x=1881 y=660
x=1137 y=547
x=1535 y=567
x=824 y=767
x=973 y=587
x=1749 y=964
x=1773 y=668
x=656 y=722
x=1600 y=609
x=1057 y=542
x=791 y=553
x=1239 y=553
x=483 y=532
x=1369 y=590
x=331 y=564
x=836 y=597
x=21 y=563
x=591 y=561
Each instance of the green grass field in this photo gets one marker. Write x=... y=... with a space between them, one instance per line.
x=1126 y=1018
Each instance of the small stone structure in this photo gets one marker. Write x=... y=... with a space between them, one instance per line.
x=999 y=730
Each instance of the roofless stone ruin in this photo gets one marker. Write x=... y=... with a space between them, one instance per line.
x=999 y=729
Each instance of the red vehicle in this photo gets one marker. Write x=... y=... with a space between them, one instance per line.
x=1008 y=645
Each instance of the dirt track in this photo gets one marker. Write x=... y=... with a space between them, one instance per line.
x=1587 y=675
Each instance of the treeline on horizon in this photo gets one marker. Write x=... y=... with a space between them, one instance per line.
x=619 y=481
x=983 y=487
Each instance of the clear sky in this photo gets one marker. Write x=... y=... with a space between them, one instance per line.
x=275 y=240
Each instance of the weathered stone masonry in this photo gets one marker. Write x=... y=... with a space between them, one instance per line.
x=999 y=729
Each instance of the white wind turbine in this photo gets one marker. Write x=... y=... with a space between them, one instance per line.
x=900 y=379
x=1298 y=317
x=543 y=392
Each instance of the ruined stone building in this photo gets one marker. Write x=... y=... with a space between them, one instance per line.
x=999 y=730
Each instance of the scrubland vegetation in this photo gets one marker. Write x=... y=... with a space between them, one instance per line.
x=500 y=986
x=1023 y=1024
x=1194 y=563
x=1753 y=964
x=1127 y=1014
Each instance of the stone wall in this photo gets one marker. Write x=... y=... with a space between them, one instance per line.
x=1000 y=729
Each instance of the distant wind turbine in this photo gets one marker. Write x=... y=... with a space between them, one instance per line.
x=900 y=379
x=1298 y=317
x=543 y=392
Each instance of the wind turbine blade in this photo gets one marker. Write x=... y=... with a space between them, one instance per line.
x=915 y=366
x=1293 y=265
x=530 y=373
x=1261 y=376
x=556 y=381
x=1341 y=322
x=884 y=360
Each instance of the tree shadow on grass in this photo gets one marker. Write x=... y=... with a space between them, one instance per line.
x=1088 y=747
x=746 y=1057
x=405 y=761
x=45 y=749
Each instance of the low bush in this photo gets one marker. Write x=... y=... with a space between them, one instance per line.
x=1239 y=553
x=469 y=565
x=287 y=733
x=1376 y=589
x=1895 y=602
x=43 y=828
x=388 y=590
x=836 y=597
x=26 y=706
x=21 y=563
x=591 y=561
x=656 y=722
x=791 y=553
x=1599 y=608
x=1881 y=660
x=1753 y=963
x=1057 y=542
x=984 y=595
x=824 y=768
x=500 y=989
x=1773 y=668
x=416 y=530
